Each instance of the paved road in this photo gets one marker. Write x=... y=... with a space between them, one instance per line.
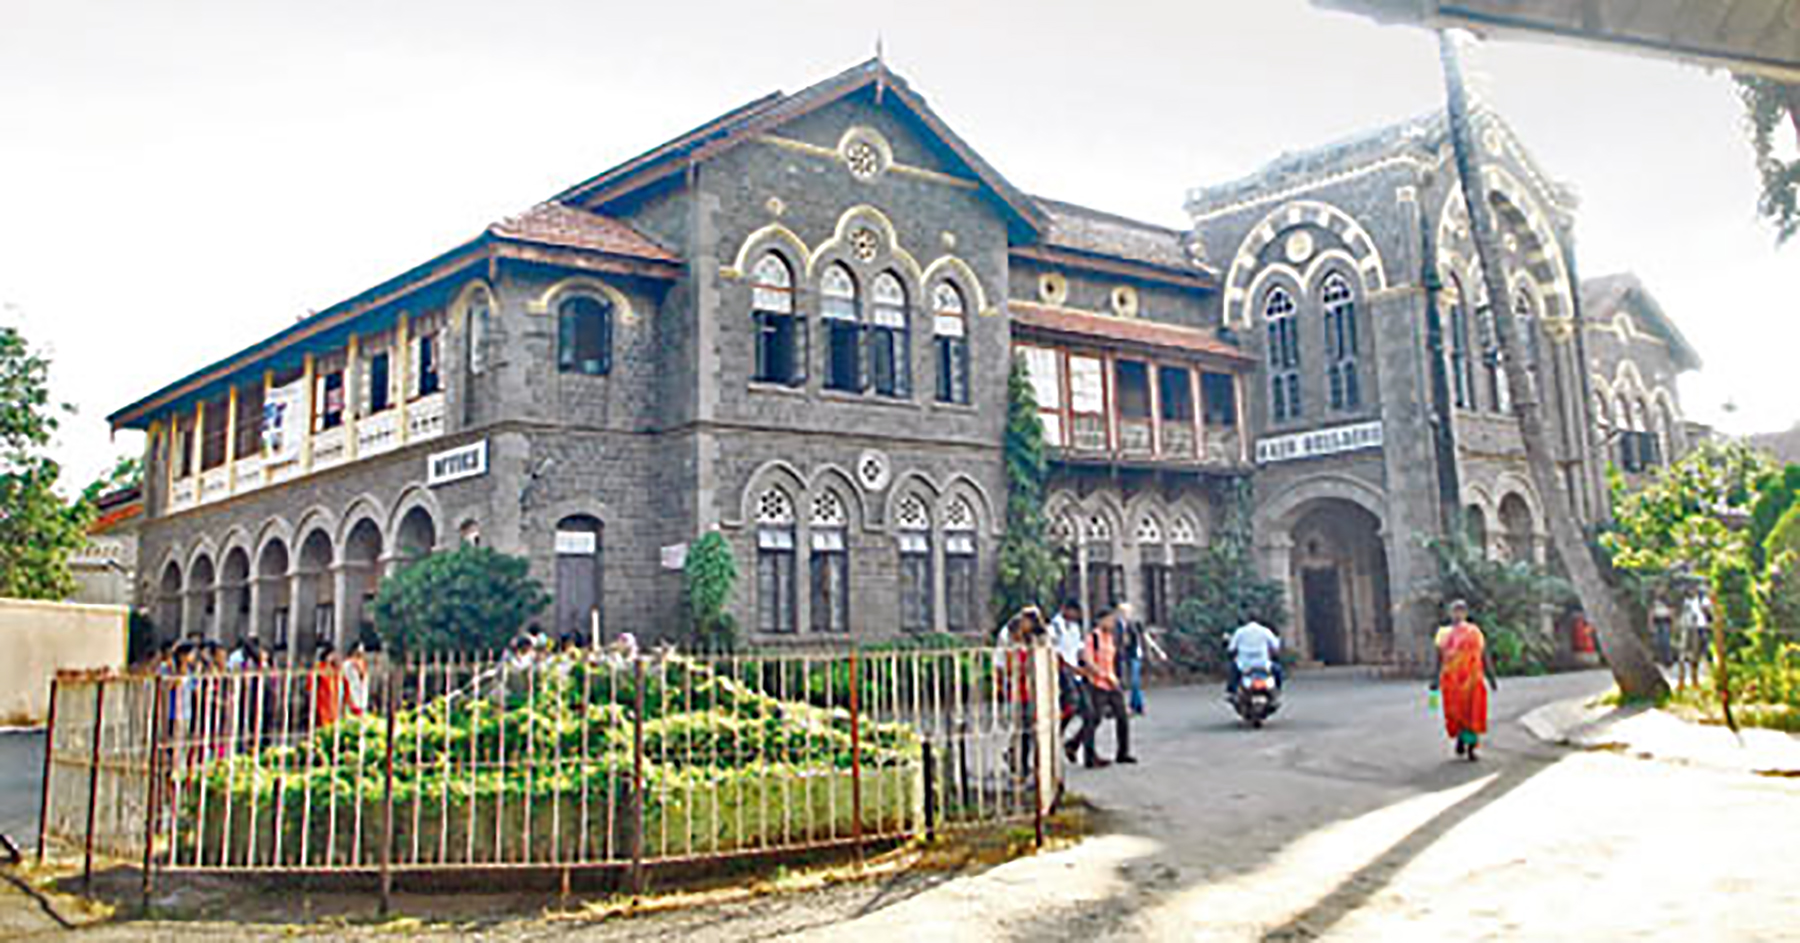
x=1346 y=818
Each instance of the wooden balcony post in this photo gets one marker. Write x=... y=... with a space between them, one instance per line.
x=402 y=373
x=312 y=403
x=231 y=411
x=1153 y=376
x=1199 y=421
x=199 y=468
x=352 y=397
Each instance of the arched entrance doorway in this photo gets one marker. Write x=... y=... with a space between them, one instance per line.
x=1339 y=585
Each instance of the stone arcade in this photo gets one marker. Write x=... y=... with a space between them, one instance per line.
x=793 y=324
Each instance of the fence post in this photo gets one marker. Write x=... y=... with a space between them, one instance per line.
x=387 y=797
x=87 y=861
x=1038 y=699
x=925 y=755
x=154 y=790
x=637 y=778
x=856 y=819
x=44 y=786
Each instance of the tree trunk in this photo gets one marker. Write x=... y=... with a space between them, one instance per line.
x=1626 y=653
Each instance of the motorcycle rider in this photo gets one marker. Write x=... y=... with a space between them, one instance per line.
x=1253 y=646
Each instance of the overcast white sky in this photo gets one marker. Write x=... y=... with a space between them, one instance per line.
x=178 y=180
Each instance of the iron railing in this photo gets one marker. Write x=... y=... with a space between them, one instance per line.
x=566 y=760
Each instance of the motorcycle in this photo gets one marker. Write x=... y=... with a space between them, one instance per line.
x=1258 y=696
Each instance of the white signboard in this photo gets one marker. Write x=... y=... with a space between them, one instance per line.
x=1319 y=442
x=464 y=461
x=674 y=556
x=576 y=543
x=284 y=422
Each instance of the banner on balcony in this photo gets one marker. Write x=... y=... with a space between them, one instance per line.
x=284 y=422
x=1286 y=448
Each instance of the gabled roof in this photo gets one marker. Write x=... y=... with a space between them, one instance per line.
x=1025 y=218
x=1603 y=296
x=554 y=224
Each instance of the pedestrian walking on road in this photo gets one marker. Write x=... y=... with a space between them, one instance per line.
x=1131 y=653
x=1101 y=660
x=1465 y=673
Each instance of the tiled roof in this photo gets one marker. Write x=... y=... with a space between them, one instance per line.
x=1108 y=329
x=1097 y=233
x=557 y=225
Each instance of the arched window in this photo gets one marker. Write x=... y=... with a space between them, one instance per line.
x=913 y=533
x=890 y=339
x=1462 y=367
x=1283 y=355
x=1341 y=345
x=1153 y=558
x=843 y=329
x=1105 y=575
x=584 y=336
x=1494 y=360
x=950 y=337
x=1525 y=330
x=778 y=346
x=578 y=575
x=960 y=566
x=774 y=561
x=480 y=315
x=830 y=564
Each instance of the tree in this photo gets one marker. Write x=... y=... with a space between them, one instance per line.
x=471 y=599
x=1507 y=598
x=708 y=576
x=1768 y=105
x=126 y=472
x=1626 y=653
x=1029 y=567
x=38 y=529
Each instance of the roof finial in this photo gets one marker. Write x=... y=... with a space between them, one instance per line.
x=880 y=68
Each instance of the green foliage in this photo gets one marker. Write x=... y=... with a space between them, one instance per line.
x=1508 y=599
x=1029 y=566
x=1685 y=521
x=469 y=599
x=708 y=575
x=1768 y=105
x=1223 y=592
x=126 y=472
x=1776 y=494
x=38 y=529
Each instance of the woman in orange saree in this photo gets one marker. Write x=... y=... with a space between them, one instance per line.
x=1465 y=672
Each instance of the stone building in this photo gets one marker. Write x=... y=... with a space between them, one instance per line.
x=793 y=325
x=790 y=324
x=1381 y=415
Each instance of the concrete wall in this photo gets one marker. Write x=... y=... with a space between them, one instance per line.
x=42 y=638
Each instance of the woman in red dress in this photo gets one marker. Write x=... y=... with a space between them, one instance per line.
x=1465 y=673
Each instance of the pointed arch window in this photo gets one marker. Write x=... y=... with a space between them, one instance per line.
x=950 y=339
x=830 y=562
x=1525 y=331
x=960 y=566
x=1493 y=359
x=1283 y=355
x=913 y=534
x=775 y=610
x=779 y=333
x=1341 y=344
x=890 y=338
x=842 y=314
x=1462 y=368
x=584 y=327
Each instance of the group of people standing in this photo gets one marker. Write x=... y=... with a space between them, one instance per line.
x=1100 y=674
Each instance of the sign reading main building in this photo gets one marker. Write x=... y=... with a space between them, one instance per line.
x=1319 y=442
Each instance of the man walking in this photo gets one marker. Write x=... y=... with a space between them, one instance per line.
x=1131 y=652
x=1066 y=637
x=1100 y=663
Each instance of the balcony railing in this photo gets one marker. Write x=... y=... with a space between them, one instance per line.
x=248 y=473
x=215 y=484
x=1223 y=446
x=184 y=494
x=425 y=418
x=331 y=447
x=1136 y=438
x=378 y=433
x=1089 y=432
x=1177 y=440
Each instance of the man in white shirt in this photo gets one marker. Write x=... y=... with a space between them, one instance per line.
x=1253 y=646
x=1067 y=638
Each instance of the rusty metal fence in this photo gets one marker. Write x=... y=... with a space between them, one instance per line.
x=568 y=760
